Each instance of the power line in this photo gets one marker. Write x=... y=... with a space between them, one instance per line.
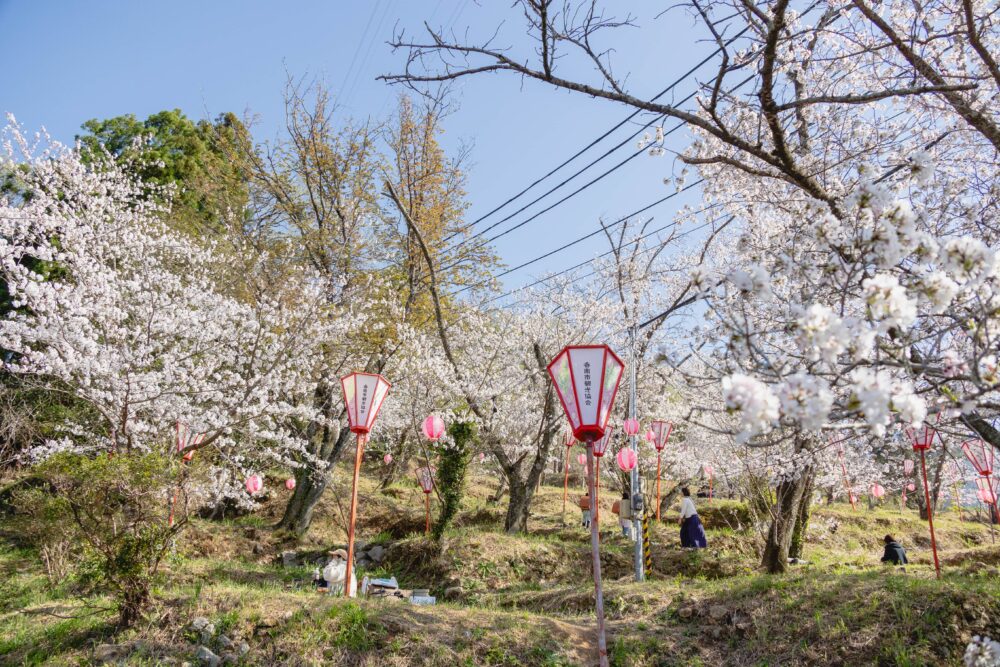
x=580 y=239
x=603 y=136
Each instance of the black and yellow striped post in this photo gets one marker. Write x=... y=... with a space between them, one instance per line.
x=647 y=552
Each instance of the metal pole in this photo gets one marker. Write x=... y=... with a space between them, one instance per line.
x=659 y=457
x=930 y=514
x=640 y=574
x=595 y=551
x=354 y=515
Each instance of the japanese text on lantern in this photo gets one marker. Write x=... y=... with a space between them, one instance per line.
x=362 y=407
x=586 y=383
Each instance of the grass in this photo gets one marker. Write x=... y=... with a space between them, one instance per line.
x=526 y=600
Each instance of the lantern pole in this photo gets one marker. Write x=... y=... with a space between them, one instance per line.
x=565 y=483
x=362 y=437
x=595 y=549
x=427 y=503
x=930 y=514
x=659 y=457
x=847 y=484
x=636 y=500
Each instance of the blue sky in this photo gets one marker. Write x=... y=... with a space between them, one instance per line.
x=66 y=62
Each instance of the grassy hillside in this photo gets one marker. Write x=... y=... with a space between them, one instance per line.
x=515 y=600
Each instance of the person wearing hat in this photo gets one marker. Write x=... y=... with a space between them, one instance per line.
x=336 y=571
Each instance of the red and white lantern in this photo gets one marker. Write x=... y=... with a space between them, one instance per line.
x=602 y=443
x=921 y=439
x=878 y=490
x=290 y=483
x=433 y=428
x=627 y=459
x=661 y=433
x=254 y=484
x=631 y=426
x=908 y=467
x=363 y=396
x=980 y=455
x=650 y=437
x=586 y=378
x=581 y=459
x=387 y=459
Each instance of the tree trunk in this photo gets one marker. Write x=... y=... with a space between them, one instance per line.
x=501 y=489
x=518 y=508
x=310 y=481
x=801 y=521
x=784 y=514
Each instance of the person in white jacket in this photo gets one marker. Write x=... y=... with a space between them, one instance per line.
x=336 y=571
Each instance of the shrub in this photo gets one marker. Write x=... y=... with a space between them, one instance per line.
x=451 y=474
x=113 y=512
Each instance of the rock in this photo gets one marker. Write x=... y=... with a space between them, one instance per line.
x=716 y=632
x=200 y=623
x=685 y=612
x=453 y=593
x=364 y=562
x=717 y=612
x=225 y=642
x=243 y=648
x=111 y=652
x=289 y=559
x=230 y=659
x=206 y=657
x=207 y=634
x=377 y=553
x=742 y=623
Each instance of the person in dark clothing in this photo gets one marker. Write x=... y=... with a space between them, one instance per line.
x=894 y=554
x=692 y=532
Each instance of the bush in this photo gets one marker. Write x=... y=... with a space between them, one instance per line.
x=451 y=474
x=112 y=512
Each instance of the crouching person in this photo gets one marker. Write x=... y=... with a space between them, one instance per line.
x=336 y=571
x=894 y=553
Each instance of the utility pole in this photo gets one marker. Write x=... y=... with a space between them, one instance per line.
x=637 y=502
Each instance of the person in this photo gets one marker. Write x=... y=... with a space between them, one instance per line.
x=584 y=503
x=625 y=514
x=336 y=571
x=692 y=532
x=894 y=554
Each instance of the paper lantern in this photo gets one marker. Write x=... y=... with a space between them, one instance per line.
x=631 y=426
x=581 y=459
x=709 y=470
x=569 y=440
x=627 y=459
x=254 y=484
x=907 y=467
x=911 y=487
x=387 y=459
x=363 y=396
x=651 y=437
x=433 y=428
x=482 y=456
x=290 y=483
x=661 y=431
x=922 y=438
x=980 y=455
x=601 y=444
x=425 y=477
x=586 y=378
x=878 y=490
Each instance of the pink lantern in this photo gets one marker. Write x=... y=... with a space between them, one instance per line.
x=631 y=426
x=363 y=396
x=980 y=455
x=254 y=484
x=290 y=483
x=911 y=487
x=661 y=432
x=387 y=459
x=433 y=428
x=482 y=456
x=627 y=459
x=586 y=378
x=921 y=439
x=878 y=490
x=581 y=459
x=709 y=470
x=185 y=439
x=651 y=437
x=601 y=444
x=907 y=467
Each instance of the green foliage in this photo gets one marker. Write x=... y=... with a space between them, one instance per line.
x=112 y=512
x=355 y=630
x=173 y=150
x=451 y=473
